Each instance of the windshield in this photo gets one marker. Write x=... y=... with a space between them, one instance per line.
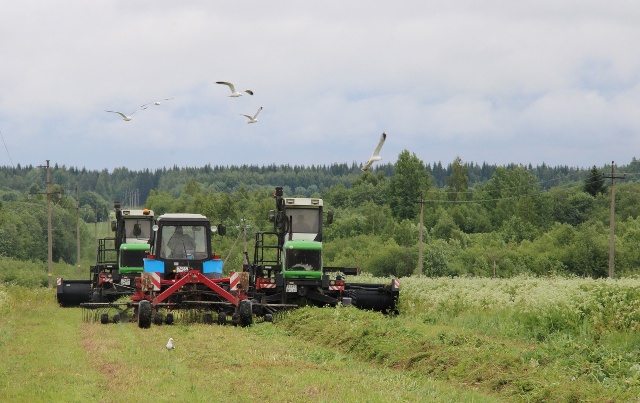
x=137 y=229
x=304 y=220
x=308 y=260
x=183 y=242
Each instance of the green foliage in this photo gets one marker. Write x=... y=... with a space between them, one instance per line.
x=404 y=189
x=594 y=183
x=23 y=273
x=486 y=220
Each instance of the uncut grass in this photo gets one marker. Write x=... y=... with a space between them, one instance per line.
x=586 y=328
x=51 y=355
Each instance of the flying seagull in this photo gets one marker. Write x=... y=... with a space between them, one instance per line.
x=156 y=102
x=375 y=156
x=252 y=119
x=170 y=345
x=234 y=93
x=125 y=117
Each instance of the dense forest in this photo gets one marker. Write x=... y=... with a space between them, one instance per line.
x=478 y=220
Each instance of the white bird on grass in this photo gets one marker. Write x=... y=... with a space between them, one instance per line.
x=375 y=156
x=156 y=102
x=252 y=119
x=127 y=117
x=234 y=93
x=170 y=345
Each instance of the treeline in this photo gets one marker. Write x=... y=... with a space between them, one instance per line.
x=478 y=220
x=131 y=187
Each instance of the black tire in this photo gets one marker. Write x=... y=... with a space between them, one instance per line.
x=207 y=318
x=104 y=318
x=158 y=319
x=144 y=314
x=246 y=313
x=116 y=318
x=268 y=317
x=169 y=318
x=222 y=318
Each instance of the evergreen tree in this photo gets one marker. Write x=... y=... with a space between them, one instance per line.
x=458 y=181
x=594 y=183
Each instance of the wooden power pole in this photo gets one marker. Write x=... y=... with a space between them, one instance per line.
x=49 y=229
x=613 y=176
x=78 y=225
x=420 y=236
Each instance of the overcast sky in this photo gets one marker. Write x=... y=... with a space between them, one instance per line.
x=496 y=81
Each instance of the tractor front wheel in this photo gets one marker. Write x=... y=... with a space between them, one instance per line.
x=144 y=314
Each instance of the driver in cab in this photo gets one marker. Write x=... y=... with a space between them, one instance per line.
x=181 y=243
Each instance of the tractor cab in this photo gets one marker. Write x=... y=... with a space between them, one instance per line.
x=182 y=242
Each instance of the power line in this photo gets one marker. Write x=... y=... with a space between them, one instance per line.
x=6 y=148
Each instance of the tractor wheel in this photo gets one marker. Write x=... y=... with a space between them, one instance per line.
x=246 y=313
x=116 y=318
x=207 y=318
x=268 y=317
x=169 y=319
x=144 y=314
x=104 y=318
x=222 y=318
x=158 y=319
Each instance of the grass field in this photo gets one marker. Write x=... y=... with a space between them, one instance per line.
x=49 y=354
x=473 y=340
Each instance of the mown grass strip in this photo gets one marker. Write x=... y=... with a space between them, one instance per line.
x=51 y=355
x=505 y=367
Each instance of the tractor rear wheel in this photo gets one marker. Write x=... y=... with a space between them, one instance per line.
x=246 y=313
x=144 y=314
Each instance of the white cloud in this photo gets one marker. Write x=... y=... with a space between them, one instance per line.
x=490 y=81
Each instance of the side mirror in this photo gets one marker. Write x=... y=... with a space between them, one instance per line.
x=114 y=225
x=329 y=217
x=272 y=215
x=222 y=230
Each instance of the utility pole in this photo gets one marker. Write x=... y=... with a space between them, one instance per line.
x=49 y=229
x=49 y=226
x=613 y=176
x=95 y=229
x=420 y=236
x=78 y=225
x=244 y=234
